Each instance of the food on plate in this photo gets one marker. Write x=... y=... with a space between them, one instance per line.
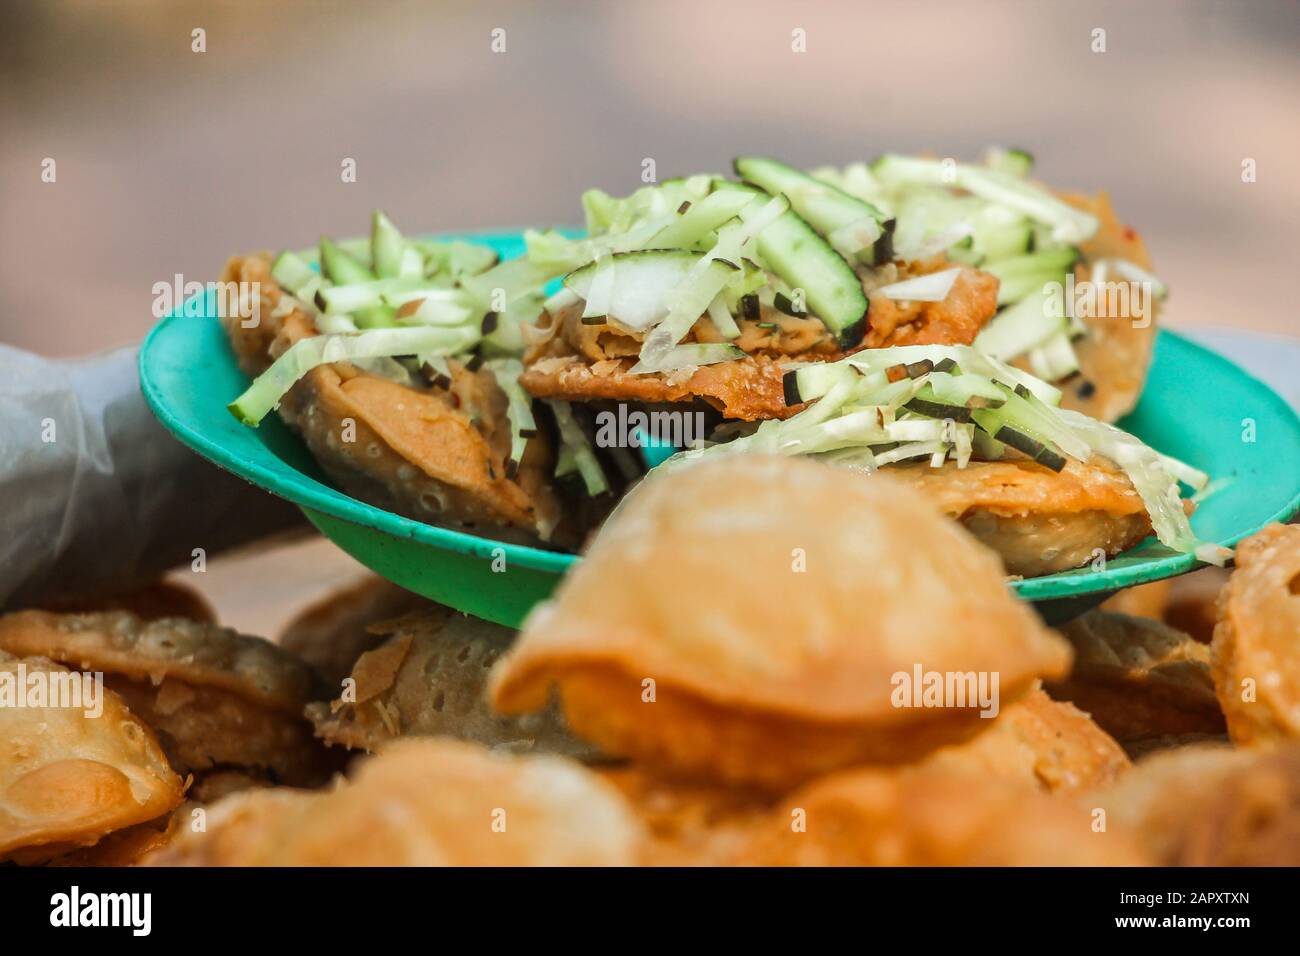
x=396 y=364
x=1138 y=678
x=1256 y=648
x=1210 y=805
x=1039 y=521
x=1047 y=744
x=1076 y=297
x=930 y=816
x=428 y=679
x=77 y=764
x=760 y=620
x=703 y=288
x=426 y=802
x=333 y=632
x=216 y=699
x=1047 y=488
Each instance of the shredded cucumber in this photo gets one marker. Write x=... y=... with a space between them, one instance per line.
x=574 y=440
x=306 y=354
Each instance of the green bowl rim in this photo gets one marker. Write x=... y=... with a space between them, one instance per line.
x=310 y=493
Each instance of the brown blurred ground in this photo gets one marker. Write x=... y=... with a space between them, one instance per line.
x=169 y=161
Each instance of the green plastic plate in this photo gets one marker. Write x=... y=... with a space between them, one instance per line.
x=1197 y=406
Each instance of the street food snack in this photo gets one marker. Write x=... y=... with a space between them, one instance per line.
x=1138 y=678
x=215 y=698
x=428 y=679
x=75 y=768
x=333 y=632
x=931 y=816
x=755 y=620
x=426 y=802
x=1047 y=744
x=1210 y=805
x=1255 y=653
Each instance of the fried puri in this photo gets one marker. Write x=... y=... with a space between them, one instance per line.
x=748 y=620
x=425 y=803
x=1116 y=353
x=332 y=633
x=72 y=772
x=580 y=362
x=930 y=816
x=1211 y=805
x=1256 y=647
x=1138 y=678
x=428 y=679
x=216 y=699
x=1043 y=743
x=1038 y=521
x=435 y=454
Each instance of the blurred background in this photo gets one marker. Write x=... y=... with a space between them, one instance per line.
x=169 y=161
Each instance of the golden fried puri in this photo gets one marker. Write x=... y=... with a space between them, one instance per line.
x=1256 y=648
x=1139 y=679
x=1037 y=520
x=1211 y=805
x=1043 y=743
x=931 y=816
x=437 y=455
x=429 y=679
x=427 y=802
x=332 y=633
x=688 y=823
x=216 y=699
x=757 y=620
x=72 y=770
x=1115 y=354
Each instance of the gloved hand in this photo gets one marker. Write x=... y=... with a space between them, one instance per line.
x=95 y=495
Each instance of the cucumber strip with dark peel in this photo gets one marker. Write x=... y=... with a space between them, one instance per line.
x=792 y=249
x=931 y=409
x=849 y=224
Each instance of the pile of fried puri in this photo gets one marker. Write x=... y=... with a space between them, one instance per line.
x=741 y=672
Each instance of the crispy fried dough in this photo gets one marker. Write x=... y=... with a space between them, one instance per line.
x=585 y=363
x=1211 y=805
x=425 y=802
x=1139 y=678
x=1037 y=520
x=749 y=389
x=956 y=320
x=1046 y=744
x=687 y=823
x=930 y=816
x=1256 y=648
x=215 y=698
x=429 y=679
x=68 y=778
x=416 y=452
x=744 y=619
x=1116 y=353
x=332 y=633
